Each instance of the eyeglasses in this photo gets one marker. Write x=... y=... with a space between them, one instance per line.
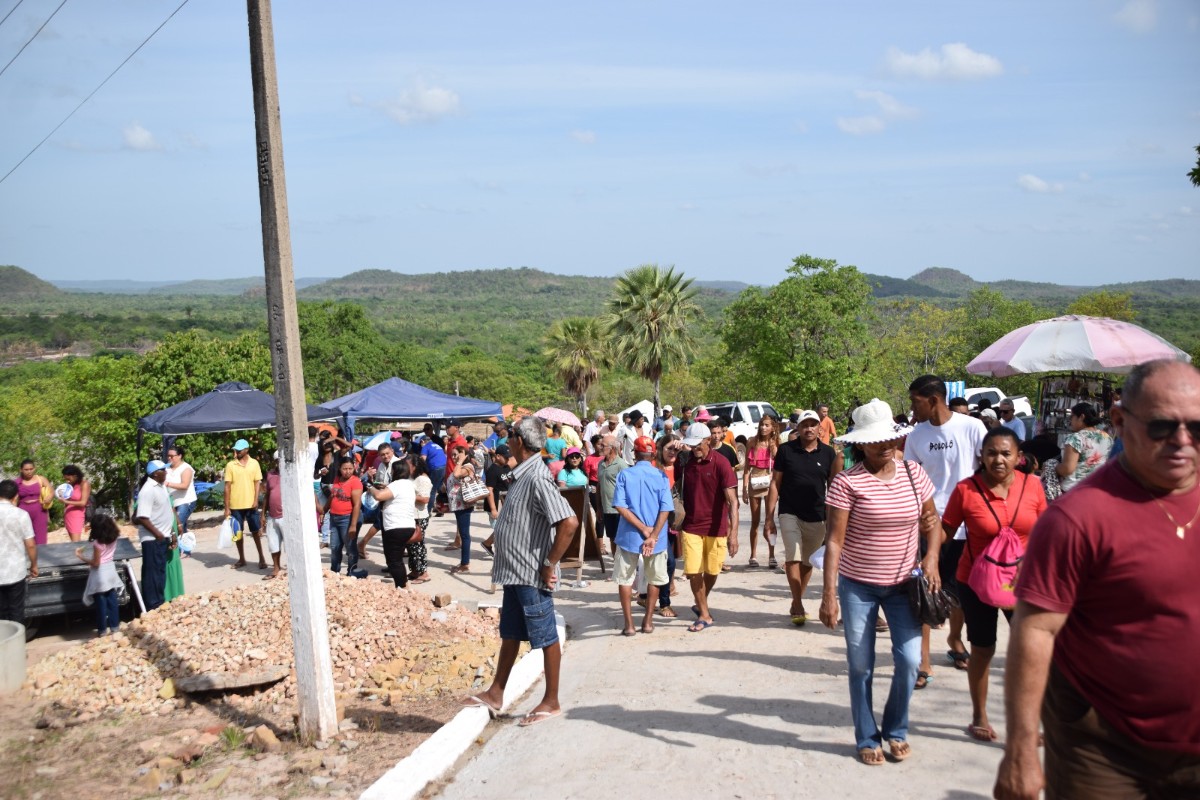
x=1161 y=429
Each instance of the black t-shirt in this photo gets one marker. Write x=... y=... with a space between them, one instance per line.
x=730 y=454
x=805 y=476
x=497 y=479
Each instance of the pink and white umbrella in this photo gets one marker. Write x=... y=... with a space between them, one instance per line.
x=1073 y=344
x=552 y=414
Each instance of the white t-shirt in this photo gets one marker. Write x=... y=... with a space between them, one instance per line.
x=423 y=487
x=948 y=453
x=400 y=511
x=175 y=475
x=154 y=503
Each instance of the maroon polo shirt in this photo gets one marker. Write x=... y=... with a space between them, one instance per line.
x=704 y=483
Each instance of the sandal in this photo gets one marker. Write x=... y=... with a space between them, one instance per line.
x=753 y=563
x=460 y=569
x=667 y=611
x=773 y=564
x=899 y=749
x=981 y=733
x=871 y=756
x=923 y=679
x=959 y=658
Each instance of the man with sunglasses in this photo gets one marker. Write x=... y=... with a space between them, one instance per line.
x=1107 y=625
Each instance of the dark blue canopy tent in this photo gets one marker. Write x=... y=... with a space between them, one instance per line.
x=232 y=406
x=398 y=399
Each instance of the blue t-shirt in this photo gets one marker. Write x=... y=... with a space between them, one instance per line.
x=574 y=477
x=435 y=456
x=555 y=448
x=644 y=490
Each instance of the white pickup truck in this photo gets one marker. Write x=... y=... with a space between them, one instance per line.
x=743 y=420
x=1021 y=405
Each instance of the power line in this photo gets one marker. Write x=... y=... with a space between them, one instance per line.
x=10 y=12
x=31 y=38
x=98 y=88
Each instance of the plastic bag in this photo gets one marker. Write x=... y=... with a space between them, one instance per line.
x=187 y=542
x=225 y=534
x=817 y=559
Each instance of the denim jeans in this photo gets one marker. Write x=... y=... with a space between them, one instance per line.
x=12 y=601
x=463 y=520
x=108 y=611
x=860 y=604
x=341 y=536
x=183 y=511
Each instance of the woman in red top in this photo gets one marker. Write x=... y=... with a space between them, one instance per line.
x=756 y=480
x=1017 y=500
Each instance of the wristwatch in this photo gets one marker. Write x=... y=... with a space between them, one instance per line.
x=546 y=562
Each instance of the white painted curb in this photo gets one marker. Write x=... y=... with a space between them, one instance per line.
x=441 y=751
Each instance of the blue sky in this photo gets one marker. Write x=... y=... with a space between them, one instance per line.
x=1031 y=140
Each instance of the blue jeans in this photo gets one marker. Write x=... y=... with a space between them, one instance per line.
x=437 y=476
x=860 y=604
x=463 y=520
x=108 y=611
x=154 y=572
x=184 y=510
x=341 y=536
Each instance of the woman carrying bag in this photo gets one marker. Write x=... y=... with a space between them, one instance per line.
x=876 y=512
x=464 y=472
x=398 y=519
x=996 y=498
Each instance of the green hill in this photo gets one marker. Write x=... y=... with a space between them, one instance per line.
x=16 y=282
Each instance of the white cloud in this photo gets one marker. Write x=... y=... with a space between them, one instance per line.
x=1185 y=210
x=1139 y=16
x=135 y=137
x=1085 y=177
x=859 y=126
x=419 y=104
x=584 y=137
x=1032 y=183
x=890 y=106
x=955 y=62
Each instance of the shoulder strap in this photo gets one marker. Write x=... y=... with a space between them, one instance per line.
x=913 y=484
x=983 y=494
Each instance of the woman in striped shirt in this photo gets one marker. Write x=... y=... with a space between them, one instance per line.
x=876 y=512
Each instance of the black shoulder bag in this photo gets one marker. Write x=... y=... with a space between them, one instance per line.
x=929 y=607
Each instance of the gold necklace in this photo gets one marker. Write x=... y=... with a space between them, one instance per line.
x=1180 y=530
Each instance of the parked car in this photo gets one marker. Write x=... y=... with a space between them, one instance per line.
x=1021 y=405
x=744 y=417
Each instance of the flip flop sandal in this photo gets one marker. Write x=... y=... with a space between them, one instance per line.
x=473 y=701
x=981 y=733
x=773 y=564
x=960 y=659
x=923 y=679
x=899 y=749
x=700 y=625
x=629 y=632
x=753 y=563
x=871 y=756
x=537 y=717
x=667 y=612
x=799 y=619
x=460 y=570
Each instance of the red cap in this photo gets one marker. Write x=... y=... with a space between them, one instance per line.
x=643 y=444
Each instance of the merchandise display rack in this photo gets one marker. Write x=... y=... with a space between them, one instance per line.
x=1059 y=391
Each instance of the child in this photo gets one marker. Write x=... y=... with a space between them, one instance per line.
x=103 y=582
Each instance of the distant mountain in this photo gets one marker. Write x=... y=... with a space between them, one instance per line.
x=884 y=286
x=947 y=281
x=217 y=286
x=16 y=282
x=733 y=287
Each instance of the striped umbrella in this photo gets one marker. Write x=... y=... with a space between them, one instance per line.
x=1073 y=344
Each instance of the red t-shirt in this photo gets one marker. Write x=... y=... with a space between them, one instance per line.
x=883 y=523
x=274 y=496
x=589 y=466
x=967 y=505
x=704 y=483
x=341 y=500
x=1106 y=555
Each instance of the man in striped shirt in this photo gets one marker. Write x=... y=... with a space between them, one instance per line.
x=525 y=565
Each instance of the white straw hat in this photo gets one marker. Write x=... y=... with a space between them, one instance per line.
x=873 y=423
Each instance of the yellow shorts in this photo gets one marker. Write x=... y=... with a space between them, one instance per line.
x=703 y=554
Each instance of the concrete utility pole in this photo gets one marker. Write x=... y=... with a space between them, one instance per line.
x=310 y=630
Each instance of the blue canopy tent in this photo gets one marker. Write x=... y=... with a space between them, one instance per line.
x=398 y=399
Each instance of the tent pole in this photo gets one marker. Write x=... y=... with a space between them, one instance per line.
x=306 y=586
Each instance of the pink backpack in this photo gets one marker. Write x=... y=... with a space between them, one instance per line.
x=993 y=575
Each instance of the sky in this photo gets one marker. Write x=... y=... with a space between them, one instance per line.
x=1037 y=140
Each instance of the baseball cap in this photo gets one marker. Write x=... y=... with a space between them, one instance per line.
x=989 y=413
x=808 y=415
x=697 y=432
x=573 y=451
x=643 y=444
x=154 y=466
x=502 y=450
x=241 y=444
x=667 y=408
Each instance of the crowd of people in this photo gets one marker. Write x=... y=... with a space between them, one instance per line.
x=1102 y=588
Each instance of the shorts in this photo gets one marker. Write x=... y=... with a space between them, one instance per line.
x=981 y=619
x=247 y=518
x=625 y=564
x=274 y=534
x=527 y=615
x=800 y=538
x=703 y=554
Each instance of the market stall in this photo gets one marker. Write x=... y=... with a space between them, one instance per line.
x=1077 y=358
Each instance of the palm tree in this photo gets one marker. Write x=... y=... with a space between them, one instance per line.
x=651 y=322
x=575 y=353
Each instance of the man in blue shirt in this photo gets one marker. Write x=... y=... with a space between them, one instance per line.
x=643 y=500
x=435 y=460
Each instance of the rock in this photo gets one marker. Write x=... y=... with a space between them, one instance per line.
x=206 y=740
x=167 y=764
x=347 y=725
x=188 y=776
x=217 y=681
x=439 y=616
x=264 y=740
x=320 y=781
x=394 y=698
x=305 y=762
x=335 y=762
x=150 y=781
x=257 y=654
x=214 y=783
x=321 y=745
x=167 y=691
x=188 y=753
x=46 y=772
x=442 y=600
x=45 y=681
x=349 y=745
x=151 y=746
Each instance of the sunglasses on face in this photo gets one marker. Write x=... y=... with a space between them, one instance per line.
x=1161 y=429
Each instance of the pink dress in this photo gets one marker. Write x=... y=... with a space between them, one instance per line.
x=30 y=500
x=73 y=516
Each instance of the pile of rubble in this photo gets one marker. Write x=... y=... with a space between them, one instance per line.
x=384 y=642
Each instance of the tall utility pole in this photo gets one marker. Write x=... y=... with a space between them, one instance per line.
x=310 y=630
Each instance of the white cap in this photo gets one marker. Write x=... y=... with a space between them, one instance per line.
x=697 y=432
x=808 y=415
x=667 y=408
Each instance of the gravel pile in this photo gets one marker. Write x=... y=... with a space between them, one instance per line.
x=383 y=642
